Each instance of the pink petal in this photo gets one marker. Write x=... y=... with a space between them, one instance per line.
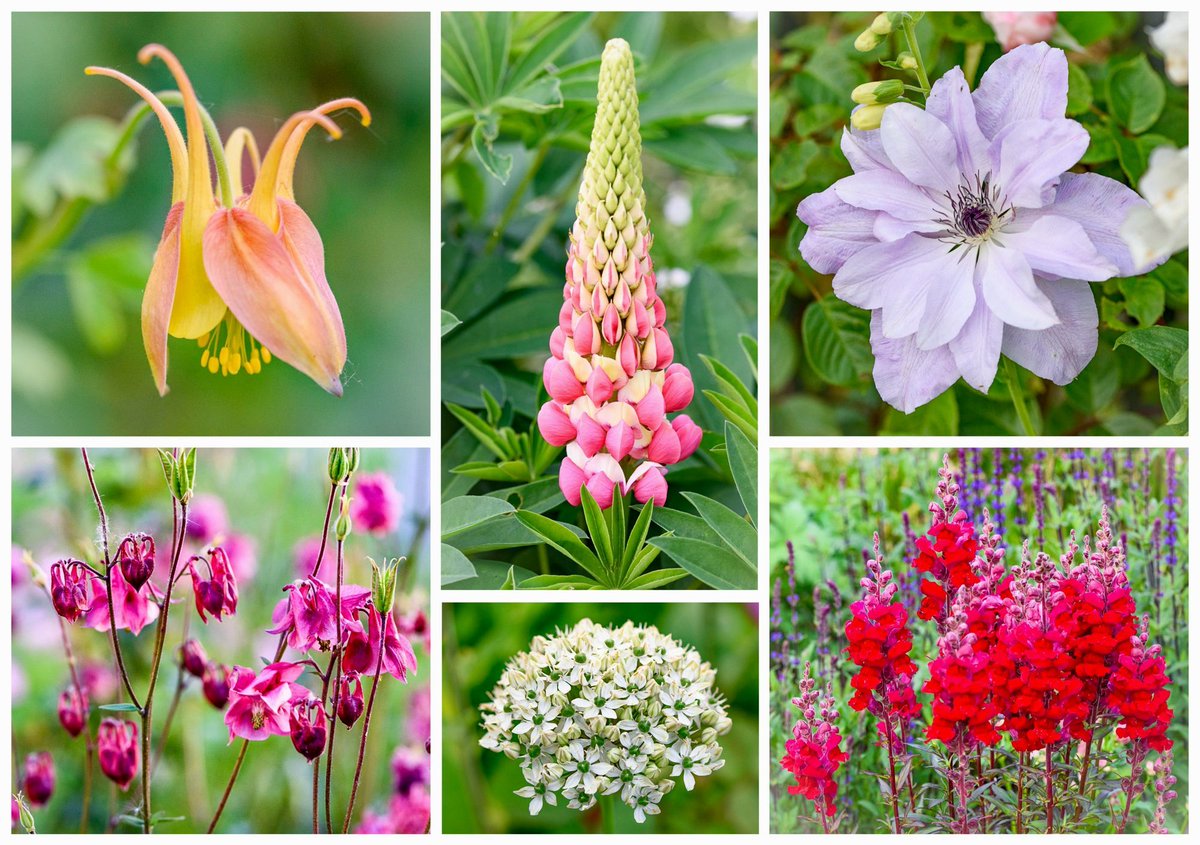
x=570 y=481
x=561 y=383
x=689 y=435
x=590 y=435
x=651 y=486
x=159 y=298
x=665 y=446
x=599 y=386
x=677 y=388
x=555 y=425
x=619 y=440
x=601 y=487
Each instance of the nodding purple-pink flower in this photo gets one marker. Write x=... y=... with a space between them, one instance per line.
x=68 y=588
x=120 y=756
x=308 y=615
x=308 y=727
x=216 y=595
x=135 y=556
x=215 y=681
x=73 y=710
x=350 y=699
x=260 y=705
x=964 y=234
x=207 y=519
x=132 y=609
x=362 y=649
x=193 y=658
x=376 y=504
x=38 y=783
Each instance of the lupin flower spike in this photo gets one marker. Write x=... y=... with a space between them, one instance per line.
x=611 y=376
x=243 y=273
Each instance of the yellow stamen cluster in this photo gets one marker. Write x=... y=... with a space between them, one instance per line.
x=238 y=353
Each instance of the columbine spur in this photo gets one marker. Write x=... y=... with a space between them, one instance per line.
x=965 y=236
x=599 y=710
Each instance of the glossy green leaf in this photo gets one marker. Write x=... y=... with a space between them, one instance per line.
x=465 y=512
x=737 y=533
x=716 y=566
x=836 y=340
x=743 y=463
x=657 y=578
x=561 y=538
x=1136 y=94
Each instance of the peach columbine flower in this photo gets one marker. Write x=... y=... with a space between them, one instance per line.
x=243 y=273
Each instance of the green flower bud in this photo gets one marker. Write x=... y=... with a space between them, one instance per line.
x=383 y=584
x=562 y=755
x=342 y=527
x=867 y=42
x=882 y=25
x=708 y=736
x=867 y=117
x=343 y=461
x=886 y=91
x=907 y=61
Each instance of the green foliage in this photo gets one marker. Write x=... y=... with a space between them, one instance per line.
x=820 y=353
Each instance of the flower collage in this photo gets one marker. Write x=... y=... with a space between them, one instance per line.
x=384 y=452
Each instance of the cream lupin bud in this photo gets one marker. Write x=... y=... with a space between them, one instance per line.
x=885 y=91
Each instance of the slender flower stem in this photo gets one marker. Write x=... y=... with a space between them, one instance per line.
x=910 y=35
x=325 y=531
x=362 y=743
x=518 y=194
x=337 y=680
x=112 y=613
x=316 y=804
x=887 y=716
x=180 y=685
x=87 y=730
x=1018 y=398
x=1020 y=789
x=1049 y=791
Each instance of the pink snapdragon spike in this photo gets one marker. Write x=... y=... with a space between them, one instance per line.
x=135 y=556
x=611 y=376
x=38 y=783
x=216 y=682
x=308 y=727
x=260 y=705
x=217 y=595
x=362 y=649
x=68 y=589
x=73 y=710
x=376 y=504
x=133 y=609
x=119 y=753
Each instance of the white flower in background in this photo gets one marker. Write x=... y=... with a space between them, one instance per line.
x=677 y=209
x=1171 y=39
x=601 y=710
x=1160 y=231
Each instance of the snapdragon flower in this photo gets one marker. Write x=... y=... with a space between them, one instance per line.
x=597 y=710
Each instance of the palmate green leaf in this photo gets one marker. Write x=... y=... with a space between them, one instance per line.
x=548 y=46
x=743 y=463
x=1136 y=94
x=561 y=538
x=641 y=562
x=519 y=326
x=693 y=83
x=637 y=537
x=465 y=512
x=455 y=566
x=483 y=137
x=499 y=532
x=560 y=582
x=716 y=566
x=657 y=578
x=483 y=432
x=738 y=534
x=74 y=165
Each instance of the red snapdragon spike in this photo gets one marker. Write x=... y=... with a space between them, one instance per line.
x=350 y=699
x=135 y=556
x=120 y=755
x=38 y=783
x=193 y=658
x=217 y=595
x=814 y=752
x=68 y=588
x=73 y=710
x=961 y=685
x=308 y=727
x=216 y=682
x=1139 y=694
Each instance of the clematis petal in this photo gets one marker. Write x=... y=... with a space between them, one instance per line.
x=976 y=348
x=920 y=146
x=950 y=102
x=1007 y=283
x=1029 y=156
x=1028 y=82
x=1099 y=205
x=160 y=296
x=267 y=292
x=1060 y=352
x=864 y=150
x=1056 y=245
x=908 y=377
x=885 y=190
x=949 y=303
x=836 y=230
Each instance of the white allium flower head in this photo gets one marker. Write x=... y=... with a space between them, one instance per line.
x=599 y=710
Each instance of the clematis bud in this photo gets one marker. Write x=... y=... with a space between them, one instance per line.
x=120 y=756
x=613 y=385
x=885 y=91
x=73 y=710
x=866 y=118
x=193 y=658
x=68 y=588
x=308 y=727
x=867 y=42
x=135 y=556
x=350 y=699
x=38 y=783
x=216 y=681
x=906 y=61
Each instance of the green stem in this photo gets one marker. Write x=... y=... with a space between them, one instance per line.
x=608 y=821
x=910 y=35
x=1018 y=398
x=514 y=202
x=546 y=225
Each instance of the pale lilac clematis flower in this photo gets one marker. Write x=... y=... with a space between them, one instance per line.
x=965 y=236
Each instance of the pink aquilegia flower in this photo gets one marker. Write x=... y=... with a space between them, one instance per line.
x=38 y=783
x=73 y=710
x=193 y=658
x=135 y=557
x=308 y=615
x=68 y=588
x=362 y=649
x=260 y=705
x=118 y=750
x=207 y=519
x=611 y=376
x=216 y=682
x=965 y=236
x=350 y=699
x=308 y=727
x=376 y=504
x=1016 y=28
x=217 y=595
x=133 y=609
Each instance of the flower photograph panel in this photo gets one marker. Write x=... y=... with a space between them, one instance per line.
x=985 y=641
x=234 y=641
x=979 y=223
x=288 y=279
x=575 y=390
x=600 y=718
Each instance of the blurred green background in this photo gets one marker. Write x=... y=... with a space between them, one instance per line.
x=478 y=639
x=76 y=335
x=276 y=498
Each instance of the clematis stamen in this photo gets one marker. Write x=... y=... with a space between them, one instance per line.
x=977 y=212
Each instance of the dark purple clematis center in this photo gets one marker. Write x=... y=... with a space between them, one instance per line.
x=975 y=211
